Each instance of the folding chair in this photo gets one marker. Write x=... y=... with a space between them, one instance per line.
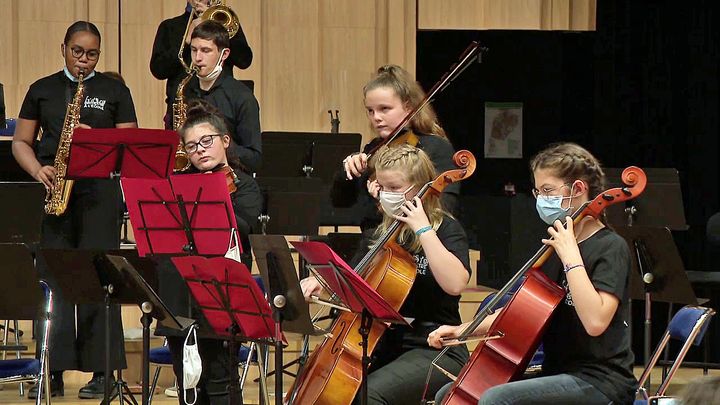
x=33 y=370
x=159 y=357
x=249 y=355
x=687 y=326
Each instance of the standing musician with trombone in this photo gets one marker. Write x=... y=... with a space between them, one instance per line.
x=171 y=49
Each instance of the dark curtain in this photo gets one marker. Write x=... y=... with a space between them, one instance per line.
x=656 y=101
x=642 y=89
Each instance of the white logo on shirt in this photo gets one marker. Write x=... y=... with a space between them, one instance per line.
x=568 y=294
x=421 y=263
x=95 y=103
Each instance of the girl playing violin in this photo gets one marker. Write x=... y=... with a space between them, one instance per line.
x=588 y=358
x=206 y=140
x=440 y=250
x=389 y=97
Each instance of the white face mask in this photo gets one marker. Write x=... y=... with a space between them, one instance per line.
x=216 y=71
x=192 y=366
x=392 y=201
x=233 y=252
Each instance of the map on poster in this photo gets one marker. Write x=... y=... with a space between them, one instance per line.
x=503 y=130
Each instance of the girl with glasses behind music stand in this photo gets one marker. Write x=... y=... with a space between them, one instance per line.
x=207 y=141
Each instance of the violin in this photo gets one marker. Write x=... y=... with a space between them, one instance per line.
x=503 y=355
x=333 y=373
x=231 y=179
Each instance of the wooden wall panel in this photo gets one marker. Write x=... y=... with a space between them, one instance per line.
x=309 y=55
x=507 y=14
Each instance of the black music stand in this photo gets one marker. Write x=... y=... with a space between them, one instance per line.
x=657 y=273
x=231 y=302
x=292 y=205
x=291 y=312
x=19 y=227
x=130 y=287
x=309 y=154
x=83 y=277
x=21 y=293
x=353 y=291
x=21 y=199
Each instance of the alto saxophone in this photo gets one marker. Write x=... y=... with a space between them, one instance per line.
x=56 y=200
x=182 y=161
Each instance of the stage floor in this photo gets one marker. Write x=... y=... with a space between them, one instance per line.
x=9 y=395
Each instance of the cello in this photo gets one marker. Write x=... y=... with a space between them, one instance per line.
x=516 y=332
x=333 y=372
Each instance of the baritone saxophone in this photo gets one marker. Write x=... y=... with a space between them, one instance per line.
x=57 y=198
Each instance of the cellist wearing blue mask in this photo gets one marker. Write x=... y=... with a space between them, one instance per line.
x=588 y=358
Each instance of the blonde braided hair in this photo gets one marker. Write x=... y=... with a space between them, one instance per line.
x=417 y=168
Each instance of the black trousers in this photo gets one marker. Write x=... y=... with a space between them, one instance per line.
x=77 y=333
x=213 y=387
x=400 y=365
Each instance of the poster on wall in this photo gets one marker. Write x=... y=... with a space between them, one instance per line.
x=503 y=130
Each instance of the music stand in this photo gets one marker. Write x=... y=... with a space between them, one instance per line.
x=658 y=210
x=353 y=291
x=19 y=227
x=21 y=199
x=130 y=152
x=130 y=287
x=284 y=198
x=83 y=277
x=231 y=302
x=297 y=154
x=109 y=153
x=291 y=312
x=21 y=292
x=186 y=214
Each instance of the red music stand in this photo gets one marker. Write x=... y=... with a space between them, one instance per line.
x=231 y=301
x=129 y=152
x=354 y=292
x=185 y=214
x=109 y=153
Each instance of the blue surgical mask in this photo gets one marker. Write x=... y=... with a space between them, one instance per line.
x=73 y=78
x=550 y=208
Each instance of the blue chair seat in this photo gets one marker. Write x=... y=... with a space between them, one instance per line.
x=19 y=367
x=160 y=355
x=243 y=354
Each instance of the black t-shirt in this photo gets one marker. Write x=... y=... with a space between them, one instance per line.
x=164 y=62
x=427 y=301
x=604 y=361
x=106 y=102
x=353 y=193
x=241 y=111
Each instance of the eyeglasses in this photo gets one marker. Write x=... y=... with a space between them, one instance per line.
x=78 y=52
x=547 y=191
x=205 y=141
